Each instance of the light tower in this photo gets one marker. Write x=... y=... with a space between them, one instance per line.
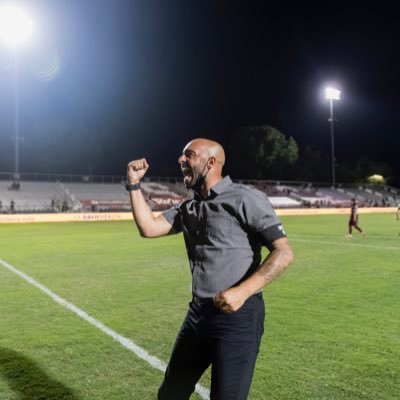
x=332 y=94
x=16 y=27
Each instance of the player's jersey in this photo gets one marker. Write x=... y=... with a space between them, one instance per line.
x=354 y=210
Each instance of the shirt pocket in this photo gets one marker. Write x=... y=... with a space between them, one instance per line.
x=218 y=225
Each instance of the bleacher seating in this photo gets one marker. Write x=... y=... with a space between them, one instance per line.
x=284 y=202
x=88 y=195
x=332 y=196
x=98 y=196
x=33 y=196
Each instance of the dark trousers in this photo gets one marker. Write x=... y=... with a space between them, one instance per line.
x=227 y=342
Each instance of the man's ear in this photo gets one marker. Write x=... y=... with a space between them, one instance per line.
x=211 y=162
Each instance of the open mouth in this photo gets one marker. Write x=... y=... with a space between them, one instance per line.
x=186 y=172
x=187 y=176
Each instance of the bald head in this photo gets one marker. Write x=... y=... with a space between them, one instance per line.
x=201 y=164
x=208 y=148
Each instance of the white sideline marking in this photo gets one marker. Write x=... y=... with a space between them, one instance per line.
x=349 y=243
x=127 y=343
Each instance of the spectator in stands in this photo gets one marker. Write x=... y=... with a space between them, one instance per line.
x=12 y=206
x=1 y=206
x=353 y=221
x=224 y=227
x=64 y=206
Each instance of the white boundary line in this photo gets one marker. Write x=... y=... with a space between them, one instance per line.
x=349 y=243
x=127 y=343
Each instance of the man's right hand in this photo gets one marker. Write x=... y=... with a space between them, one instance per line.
x=136 y=170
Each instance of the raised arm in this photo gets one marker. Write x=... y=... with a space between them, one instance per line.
x=149 y=226
x=279 y=258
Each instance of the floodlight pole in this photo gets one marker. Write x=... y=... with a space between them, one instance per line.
x=16 y=119
x=332 y=94
x=15 y=28
x=332 y=142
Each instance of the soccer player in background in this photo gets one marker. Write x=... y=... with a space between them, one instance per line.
x=398 y=213
x=353 y=221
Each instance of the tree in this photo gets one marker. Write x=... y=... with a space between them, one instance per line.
x=362 y=168
x=261 y=152
x=313 y=165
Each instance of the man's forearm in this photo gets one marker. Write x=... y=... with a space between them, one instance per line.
x=147 y=223
x=274 y=264
x=141 y=211
x=280 y=257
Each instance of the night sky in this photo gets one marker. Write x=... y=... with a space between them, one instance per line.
x=107 y=81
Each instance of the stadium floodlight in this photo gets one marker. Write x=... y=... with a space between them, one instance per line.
x=332 y=94
x=16 y=27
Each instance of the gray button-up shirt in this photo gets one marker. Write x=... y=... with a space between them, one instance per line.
x=224 y=234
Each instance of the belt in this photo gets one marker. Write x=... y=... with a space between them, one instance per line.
x=204 y=300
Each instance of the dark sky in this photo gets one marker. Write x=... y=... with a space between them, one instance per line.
x=106 y=81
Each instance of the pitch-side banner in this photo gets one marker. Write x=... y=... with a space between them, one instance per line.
x=123 y=216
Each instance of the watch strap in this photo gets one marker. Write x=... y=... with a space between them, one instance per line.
x=132 y=186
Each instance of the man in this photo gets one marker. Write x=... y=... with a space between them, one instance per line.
x=224 y=227
x=398 y=213
x=353 y=221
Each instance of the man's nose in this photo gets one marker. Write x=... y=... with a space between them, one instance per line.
x=181 y=159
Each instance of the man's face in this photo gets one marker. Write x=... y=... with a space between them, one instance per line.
x=192 y=162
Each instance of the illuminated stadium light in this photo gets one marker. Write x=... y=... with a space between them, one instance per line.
x=15 y=25
x=332 y=93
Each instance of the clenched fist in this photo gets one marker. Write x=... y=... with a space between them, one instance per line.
x=136 y=170
x=230 y=300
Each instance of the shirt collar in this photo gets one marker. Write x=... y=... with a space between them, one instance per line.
x=222 y=185
x=217 y=189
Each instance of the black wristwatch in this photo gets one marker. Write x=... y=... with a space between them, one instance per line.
x=132 y=186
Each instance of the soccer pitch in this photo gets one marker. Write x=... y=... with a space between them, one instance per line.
x=332 y=329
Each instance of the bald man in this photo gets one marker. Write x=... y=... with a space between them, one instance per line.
x=224 y=226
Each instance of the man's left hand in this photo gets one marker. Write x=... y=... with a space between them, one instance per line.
x=230 y=300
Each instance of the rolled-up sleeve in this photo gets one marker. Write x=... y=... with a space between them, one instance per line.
x=260 y=218
x=172 y=215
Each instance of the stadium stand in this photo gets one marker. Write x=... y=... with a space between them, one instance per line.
x=34 y=197
x=62 y=193
x=333 y=196
x=98 y=196
x=162 y=195
x=372 y=196
x=284 y=202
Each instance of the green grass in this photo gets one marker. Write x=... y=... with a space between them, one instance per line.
x=332 y=329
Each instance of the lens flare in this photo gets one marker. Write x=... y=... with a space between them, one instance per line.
x=46 y=66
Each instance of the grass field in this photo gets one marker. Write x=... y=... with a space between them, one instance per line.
x=332 y=329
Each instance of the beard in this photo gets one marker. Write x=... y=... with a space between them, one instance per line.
x=198 y=183
x=191 y=181
x=195 y=181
